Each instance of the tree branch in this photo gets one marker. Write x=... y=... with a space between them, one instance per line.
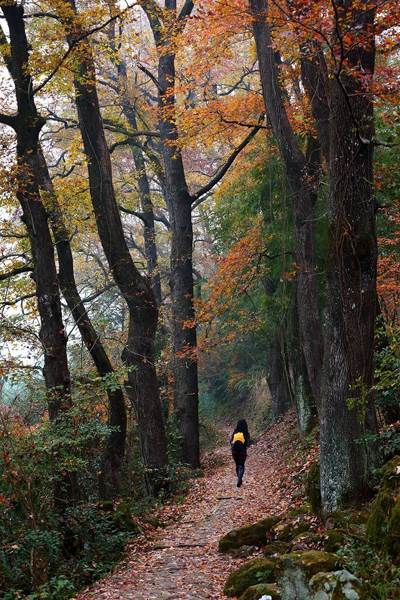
x=111 y=126
x=14 y=272
x=126 y=142
x=149 y=74
x=226 y=166
x=20 y=299
x=72 y=46
x=235 y=86
x=95 y=295
x=186 y=10
x=141 y=216
x=10 y=120
x=41 y=15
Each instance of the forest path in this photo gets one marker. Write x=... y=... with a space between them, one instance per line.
x=183 y=561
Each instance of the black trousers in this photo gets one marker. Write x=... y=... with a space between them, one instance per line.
x=239 y=468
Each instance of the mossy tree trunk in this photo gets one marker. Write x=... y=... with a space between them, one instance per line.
x=302 y=191
x=351 y=309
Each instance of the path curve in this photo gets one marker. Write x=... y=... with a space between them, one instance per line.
x=184 y=562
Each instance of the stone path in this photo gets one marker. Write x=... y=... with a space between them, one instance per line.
x=183 y=562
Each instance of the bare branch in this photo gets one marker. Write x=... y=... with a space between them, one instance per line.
x=134 y=246
x=95 y=295
x=202 y=191
x=139 y=215
x=235 y=86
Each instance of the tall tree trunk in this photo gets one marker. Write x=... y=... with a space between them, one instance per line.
x=277 y=367
x=142 y=386
x=114 y=452
x=149 y=233
x=278 y=381
x=129 y=111
x=306 y=409
x=179 y=204
x=351 y=274
x=181 y=283
x=28 y=124
x=302 y=194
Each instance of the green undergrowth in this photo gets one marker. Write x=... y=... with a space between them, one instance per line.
x=48 y=555
x=373 y=567
x=367 y=540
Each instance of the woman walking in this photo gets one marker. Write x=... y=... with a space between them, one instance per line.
x=240 y=441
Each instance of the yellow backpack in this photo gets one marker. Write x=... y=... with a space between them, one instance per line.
x=238 y=437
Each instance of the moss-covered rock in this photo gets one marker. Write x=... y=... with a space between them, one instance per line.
x=303 y=541
x=385 y=504
x=334 y=540
x=249 y=535
x=311 y=561
x=255 y=592
x=243 y=551
x=340 y=585
x=300 y=511
x=393 y=533
x=294 y=571
x=121 y=515
x=346 y=519
x=291 y=530
x=253 y=572
x=277 y=548
x=313 y=489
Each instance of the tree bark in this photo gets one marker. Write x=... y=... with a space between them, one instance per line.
x=302 y=193
x=109 y=487
x=142 y=386
x=128 y=109
x=179 y=204
x=149 y=231
x=277 y=366
x=306 y=409
x=277 y=378
x=351 y=274
x=28 y=124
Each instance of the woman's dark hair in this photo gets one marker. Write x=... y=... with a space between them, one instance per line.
x=242 y=426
